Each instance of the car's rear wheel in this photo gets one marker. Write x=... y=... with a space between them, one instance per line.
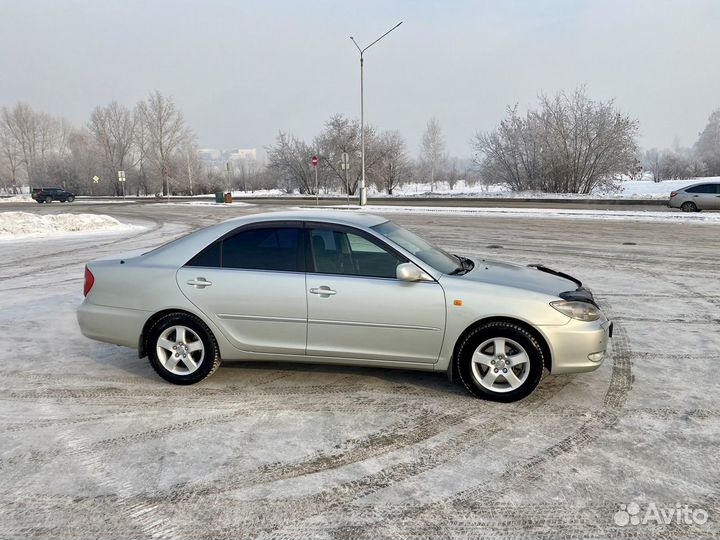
x=689 y=207
x=48 y=199
x=40 y=201
x=500 y=361
x=182 y=349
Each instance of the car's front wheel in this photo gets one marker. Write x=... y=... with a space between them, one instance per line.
x=500 y=361
x=70 y=198
x=182 y=349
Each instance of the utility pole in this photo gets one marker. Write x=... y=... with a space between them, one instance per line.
x=363 y=194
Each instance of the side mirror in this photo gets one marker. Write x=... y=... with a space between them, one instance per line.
x=409 y=272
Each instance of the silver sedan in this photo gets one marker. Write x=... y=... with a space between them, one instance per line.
x=342 y=288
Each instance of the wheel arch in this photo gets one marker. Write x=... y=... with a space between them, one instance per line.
x=546 y=352
x=142 y=339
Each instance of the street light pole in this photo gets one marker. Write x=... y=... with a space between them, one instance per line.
x=363 y=192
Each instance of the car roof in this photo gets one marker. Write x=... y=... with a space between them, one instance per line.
x=176 y=252
x=350 y=217
x=710 y=182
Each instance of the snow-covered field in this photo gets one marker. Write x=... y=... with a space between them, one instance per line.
x=94 y=445
x=547 y=213
x=15 y=225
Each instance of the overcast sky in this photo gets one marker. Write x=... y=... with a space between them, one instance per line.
x=242 y=70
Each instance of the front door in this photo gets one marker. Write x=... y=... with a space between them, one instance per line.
x=252 y=286
x=357 y=308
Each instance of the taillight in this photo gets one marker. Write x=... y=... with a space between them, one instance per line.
x=673 y=194
x=89 y=281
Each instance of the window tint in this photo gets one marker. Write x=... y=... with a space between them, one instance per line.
x=255 y=249
x=703 y=188
x=208 y=257
x=339 y=252
x=263 y=249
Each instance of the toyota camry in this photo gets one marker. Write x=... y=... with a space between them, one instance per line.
x=342 y=288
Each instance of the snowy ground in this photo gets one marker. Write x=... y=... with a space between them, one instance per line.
x=541 y=213
x=20 y=225
x=94 y=445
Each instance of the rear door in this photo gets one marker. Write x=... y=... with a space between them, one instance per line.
x=251 y=284
x=716 y=200
x=357 y=308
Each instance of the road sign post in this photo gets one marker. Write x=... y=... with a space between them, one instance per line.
x=121 y=179
x=314 y=163
x=228 y=168
x=345 y=165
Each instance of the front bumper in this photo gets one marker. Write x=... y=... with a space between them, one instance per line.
x=578 y=346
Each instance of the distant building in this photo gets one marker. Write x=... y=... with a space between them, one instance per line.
x=243 y=154
x=209 y=154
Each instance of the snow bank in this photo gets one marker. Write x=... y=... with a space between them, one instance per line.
x=547 y=213
x=15 y=224
x=629 y=189
x=16 y=199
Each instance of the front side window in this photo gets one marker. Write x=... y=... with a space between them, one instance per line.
x=271 y=248
x=423 y=250
x=345 y=253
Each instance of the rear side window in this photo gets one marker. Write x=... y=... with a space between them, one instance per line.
x=272 y=248
x=704 y=188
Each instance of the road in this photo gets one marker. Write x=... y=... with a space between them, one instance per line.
x=95 y=445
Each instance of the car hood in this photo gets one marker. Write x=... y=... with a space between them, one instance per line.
x=531 y=278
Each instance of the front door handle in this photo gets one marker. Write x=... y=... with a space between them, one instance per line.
x=323 y=290
x=199 y=283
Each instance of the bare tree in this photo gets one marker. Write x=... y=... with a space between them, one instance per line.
x=572 y=144
x=10 y=158
x=394 y=164
x=166 y=132
x=339 y=135
x=35 y=134
x=289 y=158
x=433 y=150
x=707 y=146
x=113 y=129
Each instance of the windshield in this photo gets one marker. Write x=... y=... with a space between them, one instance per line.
x=426 y=252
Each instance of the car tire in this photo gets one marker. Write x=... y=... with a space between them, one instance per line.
x=688 y=206
x=48 y=199
x=182 y=349
x=40 y=201
x=70 y=198
x=519 y=364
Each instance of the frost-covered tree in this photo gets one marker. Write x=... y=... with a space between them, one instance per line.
x=570 y=144
x=166 y=130
x=707 y=146
x=433 y=150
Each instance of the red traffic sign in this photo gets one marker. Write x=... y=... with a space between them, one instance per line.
x=314 y=161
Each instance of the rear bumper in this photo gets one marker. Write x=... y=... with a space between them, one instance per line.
x=578 y=346
x=120 y=326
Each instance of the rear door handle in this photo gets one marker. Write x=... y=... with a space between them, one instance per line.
x=323 y=290
x=199 y=283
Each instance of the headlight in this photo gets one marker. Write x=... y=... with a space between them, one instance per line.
x=582 y=311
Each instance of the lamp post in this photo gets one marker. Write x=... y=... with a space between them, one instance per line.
x=363 y=194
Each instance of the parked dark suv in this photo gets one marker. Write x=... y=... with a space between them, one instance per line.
x=50 y=194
